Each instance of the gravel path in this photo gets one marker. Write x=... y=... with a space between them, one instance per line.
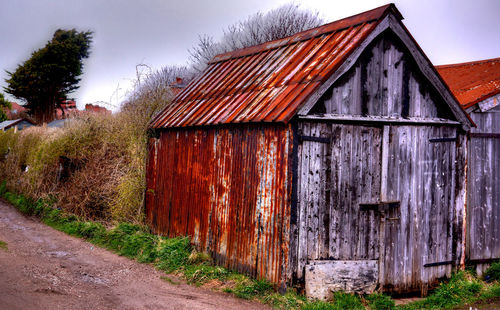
x=46 y=269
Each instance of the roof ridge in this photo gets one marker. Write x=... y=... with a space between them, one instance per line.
x=344 y=23
x=475 y=62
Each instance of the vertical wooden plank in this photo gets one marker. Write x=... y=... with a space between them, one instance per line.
x=303 y=198
x=324 y=194
x=385 y=163
x=313 y=206
x=336 y=172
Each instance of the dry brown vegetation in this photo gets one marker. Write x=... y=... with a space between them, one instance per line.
x=93 y=167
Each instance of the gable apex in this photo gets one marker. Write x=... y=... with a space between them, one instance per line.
x=390 y=23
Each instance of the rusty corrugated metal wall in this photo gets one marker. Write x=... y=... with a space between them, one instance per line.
x=229 y=189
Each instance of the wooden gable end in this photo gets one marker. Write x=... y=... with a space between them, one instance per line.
x=387 y=78
x=385 y=81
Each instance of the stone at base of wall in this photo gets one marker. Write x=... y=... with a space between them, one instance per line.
x=351 y=276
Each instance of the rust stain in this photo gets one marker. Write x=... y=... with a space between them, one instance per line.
x=225 y=187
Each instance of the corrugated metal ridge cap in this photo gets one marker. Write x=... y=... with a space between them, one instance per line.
x=469 y=63
x=368 y=16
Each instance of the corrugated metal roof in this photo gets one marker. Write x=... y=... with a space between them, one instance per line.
x=472 y=82
x=9 y=123
x=269 y=82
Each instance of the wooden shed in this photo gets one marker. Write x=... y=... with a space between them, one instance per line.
x=332 y=159
x=476 y=85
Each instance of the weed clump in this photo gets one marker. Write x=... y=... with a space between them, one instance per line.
x=461 y=289
x=248 y=289
x=380 y=302
x=173 y=253
x=340 y=301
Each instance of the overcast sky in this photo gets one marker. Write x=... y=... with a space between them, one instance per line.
x=160 y=32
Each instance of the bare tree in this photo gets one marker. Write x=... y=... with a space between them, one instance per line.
x=257 y=28
x=153 y=90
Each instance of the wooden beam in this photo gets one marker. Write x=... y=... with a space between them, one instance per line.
x=379 y=119
x=483 y=261
x=314 y=139
x=448 y=262
x=484 y=135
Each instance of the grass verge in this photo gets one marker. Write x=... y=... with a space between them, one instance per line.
x=175 y=255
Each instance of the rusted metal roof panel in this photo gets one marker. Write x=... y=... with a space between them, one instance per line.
x=269 y=82
x=229 y=189
x=472 y=82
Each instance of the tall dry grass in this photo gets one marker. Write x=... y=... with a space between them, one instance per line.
x=95 y=166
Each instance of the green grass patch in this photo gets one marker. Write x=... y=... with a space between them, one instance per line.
x=3 y=245
x=200 y=274
x=252 y=289
x=290 y=300
x=341 y=301
x=380 y=302
x=461 y=289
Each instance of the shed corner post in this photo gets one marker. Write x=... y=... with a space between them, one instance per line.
x=291 y=276
x=461 y=197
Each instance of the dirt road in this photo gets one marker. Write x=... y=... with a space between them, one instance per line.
x=46 y=269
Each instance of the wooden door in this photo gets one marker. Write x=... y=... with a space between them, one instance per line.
x=355 y=177
x=339 y=173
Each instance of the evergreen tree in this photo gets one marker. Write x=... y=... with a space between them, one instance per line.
x=4 y=104
x=50 y=74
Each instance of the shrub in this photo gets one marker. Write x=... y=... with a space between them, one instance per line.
x=493 y=272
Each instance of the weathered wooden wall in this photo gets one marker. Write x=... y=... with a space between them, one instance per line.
x=228 y=188
x=386 y=178
x=383 y=82
x=337 y=177
x=484 y=188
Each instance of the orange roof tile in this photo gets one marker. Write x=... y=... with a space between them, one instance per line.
x=472 y=82
x=269 y=82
